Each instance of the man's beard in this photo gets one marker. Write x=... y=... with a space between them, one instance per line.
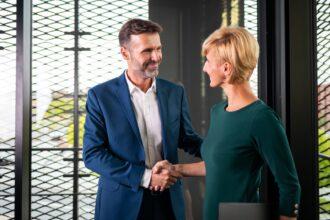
x=149 y=73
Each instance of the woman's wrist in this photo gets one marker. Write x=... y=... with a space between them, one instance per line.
x=178 y=168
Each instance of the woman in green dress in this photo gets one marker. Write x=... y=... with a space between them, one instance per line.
x=244 y=132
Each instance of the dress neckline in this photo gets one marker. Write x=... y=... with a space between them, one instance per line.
x=241 y=109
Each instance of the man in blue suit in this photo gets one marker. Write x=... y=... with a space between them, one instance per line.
x=132 y=123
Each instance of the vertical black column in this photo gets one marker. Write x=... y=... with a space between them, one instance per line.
x=273 y=66
x=302 y=109
x=287 y=82
x=265 y=80
x=23 y=111
x=273 y=75
x=76 y=111
x=241 y=13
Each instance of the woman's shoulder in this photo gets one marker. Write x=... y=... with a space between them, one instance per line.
x=263 y=112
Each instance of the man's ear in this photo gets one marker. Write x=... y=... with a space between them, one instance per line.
x=125 y=53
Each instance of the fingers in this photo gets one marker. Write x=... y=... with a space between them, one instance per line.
x=166 y=167
x=158 y=188
x=175 y=174
x=171 y=180
x=164 y=164
x=165 y=175
x=172 y=173
x=156 y=169
x=169 y=184
x=165 y=183
x=168 y=181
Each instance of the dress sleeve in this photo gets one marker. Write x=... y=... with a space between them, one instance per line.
x=272 y=144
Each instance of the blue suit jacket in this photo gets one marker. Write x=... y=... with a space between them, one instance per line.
x=113 y=146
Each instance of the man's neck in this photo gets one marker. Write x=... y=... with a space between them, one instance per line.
x=138 y=80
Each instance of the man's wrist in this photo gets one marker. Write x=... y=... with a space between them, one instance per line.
x=146 y=178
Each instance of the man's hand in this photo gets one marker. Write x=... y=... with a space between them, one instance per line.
x=164 y=164
x=163 y=176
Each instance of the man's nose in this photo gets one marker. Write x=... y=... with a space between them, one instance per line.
x=156 y=55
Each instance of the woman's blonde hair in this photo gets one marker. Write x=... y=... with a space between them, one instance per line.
x=236 y=46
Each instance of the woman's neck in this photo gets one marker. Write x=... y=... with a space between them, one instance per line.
x=239 y=95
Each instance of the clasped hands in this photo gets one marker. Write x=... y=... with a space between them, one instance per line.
x=163 y=176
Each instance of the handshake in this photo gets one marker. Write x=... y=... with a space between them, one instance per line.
x=163 y=176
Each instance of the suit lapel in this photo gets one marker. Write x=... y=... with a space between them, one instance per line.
x=125 y=100
x=163 y=104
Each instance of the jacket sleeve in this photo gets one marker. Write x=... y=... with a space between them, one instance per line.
x=97 y=153
x=189 y=140
x=273 y=146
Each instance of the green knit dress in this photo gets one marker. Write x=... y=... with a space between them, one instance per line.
x=237 y=146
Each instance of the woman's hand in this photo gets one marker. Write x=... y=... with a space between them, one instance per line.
x=177 y=171
x=163 y=176
x=164 y=164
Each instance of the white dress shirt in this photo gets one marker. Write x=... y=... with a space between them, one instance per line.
x=147 y=115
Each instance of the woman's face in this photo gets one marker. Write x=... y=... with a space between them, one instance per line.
x=217 y=72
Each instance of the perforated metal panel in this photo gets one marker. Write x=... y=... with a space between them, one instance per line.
x=75 y=46
x=7 y=107
x=323 y=82
x=242 y=13
x=251 y=23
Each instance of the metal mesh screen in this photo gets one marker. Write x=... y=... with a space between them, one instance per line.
x=7 y=107
x=242 y=13
x=52 y=109
x=323 y=82
x=251 y=23
x=53 y=91
x=102 y=19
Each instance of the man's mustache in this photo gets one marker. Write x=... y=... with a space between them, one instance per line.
x=150 y=63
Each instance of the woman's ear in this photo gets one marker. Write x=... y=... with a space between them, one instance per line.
x=227 y=69
x=125 y=53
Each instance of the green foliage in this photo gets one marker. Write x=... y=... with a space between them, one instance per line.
x=324 y=206
x=324 y=165
x=70 y=133
x=59 y=117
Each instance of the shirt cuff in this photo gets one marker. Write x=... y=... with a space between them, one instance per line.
x=145 y=181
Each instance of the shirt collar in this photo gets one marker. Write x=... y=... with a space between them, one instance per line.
x=133 y=88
